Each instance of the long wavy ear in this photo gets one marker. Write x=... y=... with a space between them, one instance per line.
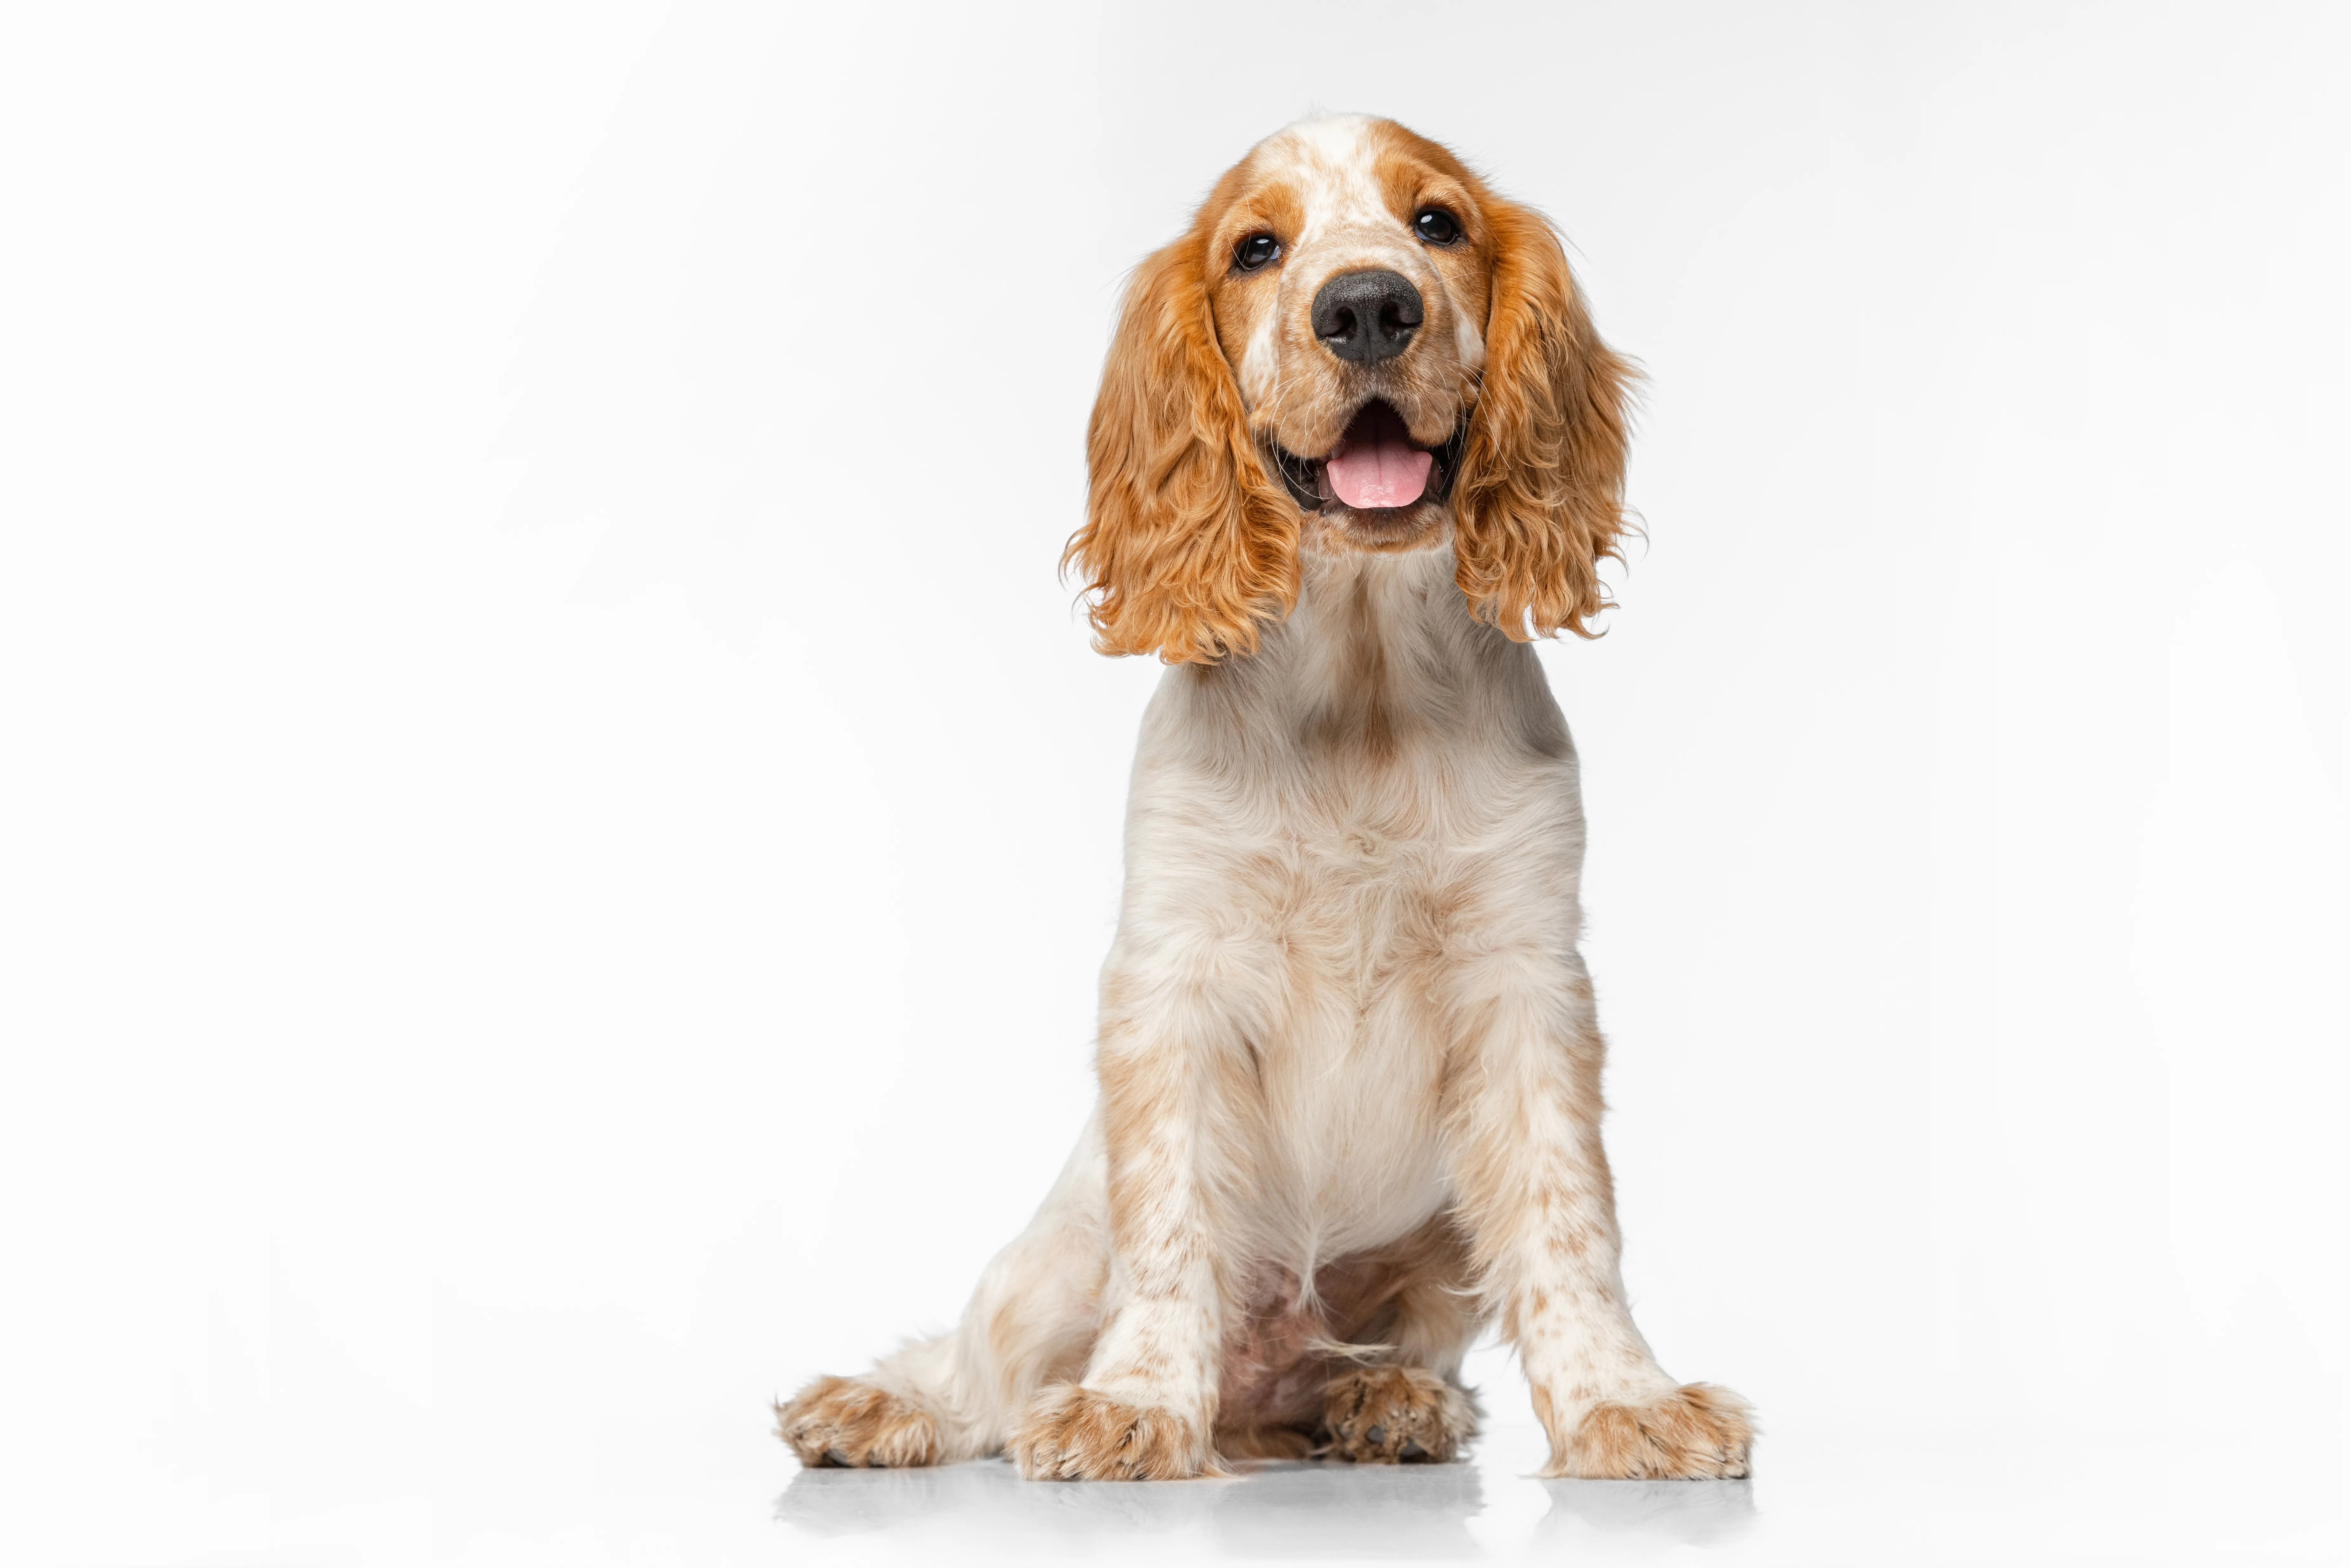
x=1188 y=542
x=1541 y=498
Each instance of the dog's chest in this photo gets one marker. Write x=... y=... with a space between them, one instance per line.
x=1351 y=1070
x=1331 y=838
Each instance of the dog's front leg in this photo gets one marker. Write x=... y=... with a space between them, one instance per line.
x=1524 y=1116
x=1170 y=1058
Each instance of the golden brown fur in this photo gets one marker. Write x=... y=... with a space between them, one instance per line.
x=1539 y=502
x=1187 y=543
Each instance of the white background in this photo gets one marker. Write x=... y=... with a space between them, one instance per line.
x=556 y=823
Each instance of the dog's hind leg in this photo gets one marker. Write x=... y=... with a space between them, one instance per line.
x=1031 y=1319
x=1402 y=1401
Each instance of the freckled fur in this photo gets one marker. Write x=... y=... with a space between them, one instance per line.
x=1349 y=1059
x=1698 y=1431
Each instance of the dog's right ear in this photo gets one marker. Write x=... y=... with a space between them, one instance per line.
x=1188 y=542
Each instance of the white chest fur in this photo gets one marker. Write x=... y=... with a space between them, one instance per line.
x=1325 y=843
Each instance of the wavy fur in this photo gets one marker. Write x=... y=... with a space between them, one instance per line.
x=1188 y=544
x=1540 y=500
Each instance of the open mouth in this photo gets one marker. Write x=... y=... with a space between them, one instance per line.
x=1375 y=466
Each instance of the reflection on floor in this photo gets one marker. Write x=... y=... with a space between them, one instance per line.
x=1824 y=1496
x=1265 y=1509
x=1700 y=1513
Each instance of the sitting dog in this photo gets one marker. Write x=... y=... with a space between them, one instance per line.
x=1356 y=444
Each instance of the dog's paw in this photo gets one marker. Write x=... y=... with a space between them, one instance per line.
x=1697 y=1432
x=1074 y=1433
x=1396 y=1415
x=841 y=1421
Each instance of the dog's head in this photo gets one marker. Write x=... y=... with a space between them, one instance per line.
x=1356 y=346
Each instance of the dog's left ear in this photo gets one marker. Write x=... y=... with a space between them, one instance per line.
x=1541 y=497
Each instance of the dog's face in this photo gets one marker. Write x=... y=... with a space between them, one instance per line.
x=1352 y=309
x=1356 y=346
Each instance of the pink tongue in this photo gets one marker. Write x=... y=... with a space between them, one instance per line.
x=1386 y=471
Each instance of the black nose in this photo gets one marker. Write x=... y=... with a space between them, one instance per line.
x=1367 y=317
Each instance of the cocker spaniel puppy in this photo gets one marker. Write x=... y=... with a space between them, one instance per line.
x=1356 y=444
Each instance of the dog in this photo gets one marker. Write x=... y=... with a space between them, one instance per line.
x=1356 y=445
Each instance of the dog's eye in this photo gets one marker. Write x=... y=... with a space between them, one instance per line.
x=1437 y=225
x=1255 y=251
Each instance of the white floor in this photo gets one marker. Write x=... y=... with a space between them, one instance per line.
x=1899 y=1498
x=585 y=1477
